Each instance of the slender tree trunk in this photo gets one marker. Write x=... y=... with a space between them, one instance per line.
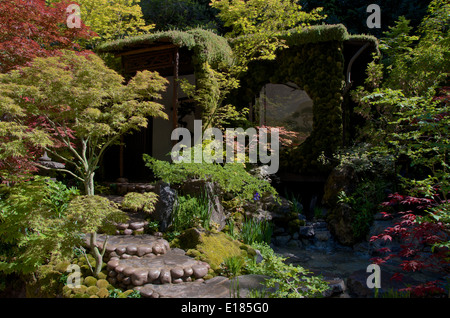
x=89 y=183
x=98 y=255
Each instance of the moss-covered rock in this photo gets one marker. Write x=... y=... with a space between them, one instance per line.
x=102 y=275
x=79 y=289
x=92 y=290
x=62 y=266
x=90 y=281
x=103 y=293
x=102 y=283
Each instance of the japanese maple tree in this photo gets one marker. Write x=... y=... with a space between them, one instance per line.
x=29 y=29
x=78 y=103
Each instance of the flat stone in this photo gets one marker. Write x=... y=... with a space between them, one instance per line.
x=131 y=245
x=322 y=235
x=177 y=272
x=164 y=269
x=131 y=250
x=216 y=287
x=200 y=271
x=122 y=226
x=213 y=288
x=153 y=274
x=139 y=277
x=306 y=231
x=137 y=225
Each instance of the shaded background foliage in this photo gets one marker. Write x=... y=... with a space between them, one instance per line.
x=180 y=14
x=353 y=13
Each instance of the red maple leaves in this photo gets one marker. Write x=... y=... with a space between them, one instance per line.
x=32 y=29
x=415 y=239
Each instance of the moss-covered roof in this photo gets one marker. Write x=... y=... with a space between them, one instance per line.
x=214 y=49
x=206 y=45
x=320 y=33
x=323 y=33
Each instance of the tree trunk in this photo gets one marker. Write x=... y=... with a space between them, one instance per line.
x=98 y=256
x=89 y=183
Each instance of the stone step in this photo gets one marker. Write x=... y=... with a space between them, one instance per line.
x=216 y=287
x=122 y=188
x=131 y=246
x=137 y=222
x=171 y=267
x=135 y=225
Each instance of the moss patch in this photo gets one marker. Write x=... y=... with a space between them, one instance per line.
x=212 y=247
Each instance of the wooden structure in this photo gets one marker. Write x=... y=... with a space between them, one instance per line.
x=175 y=55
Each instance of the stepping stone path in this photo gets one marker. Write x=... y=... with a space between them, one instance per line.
x=132 y=246
x=138 y=260
x=173 y=267
x=136 y=223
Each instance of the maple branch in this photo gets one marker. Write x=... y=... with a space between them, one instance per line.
x=63 y=158
x=60 y=170
x=63 y=139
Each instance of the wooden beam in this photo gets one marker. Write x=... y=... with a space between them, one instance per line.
x=176 y=64
x=148 y=49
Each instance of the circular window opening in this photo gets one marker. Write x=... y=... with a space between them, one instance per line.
x=286 y=105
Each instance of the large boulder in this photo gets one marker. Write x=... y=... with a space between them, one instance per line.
x=340 y=224
x=167 y=198
x=340 y=215
x=196 y=187
x=340 y=179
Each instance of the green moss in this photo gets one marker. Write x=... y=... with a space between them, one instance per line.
x=206 y=45
x=47 y=283
x=92 y=290
x=103 y=274
x=103 y=293
x=212 y=247
x=90 y=281
x=79 y=290
x=128 y=292
x=315 y=62
x=135 y=201
x=294 y=225
x=102 y=283
x=62 y=266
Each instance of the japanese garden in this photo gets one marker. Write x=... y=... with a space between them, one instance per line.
x=224 y=149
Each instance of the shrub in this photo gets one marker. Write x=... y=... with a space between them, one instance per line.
x=256 y=231
x=190 y=212
x=232 y=178
x=35 y=225
x=140 y=201
x=290 y=281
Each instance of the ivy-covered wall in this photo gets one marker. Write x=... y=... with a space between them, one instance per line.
x=315 y=62
x=318 y=69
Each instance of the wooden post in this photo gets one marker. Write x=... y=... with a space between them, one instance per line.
x=175 y=88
